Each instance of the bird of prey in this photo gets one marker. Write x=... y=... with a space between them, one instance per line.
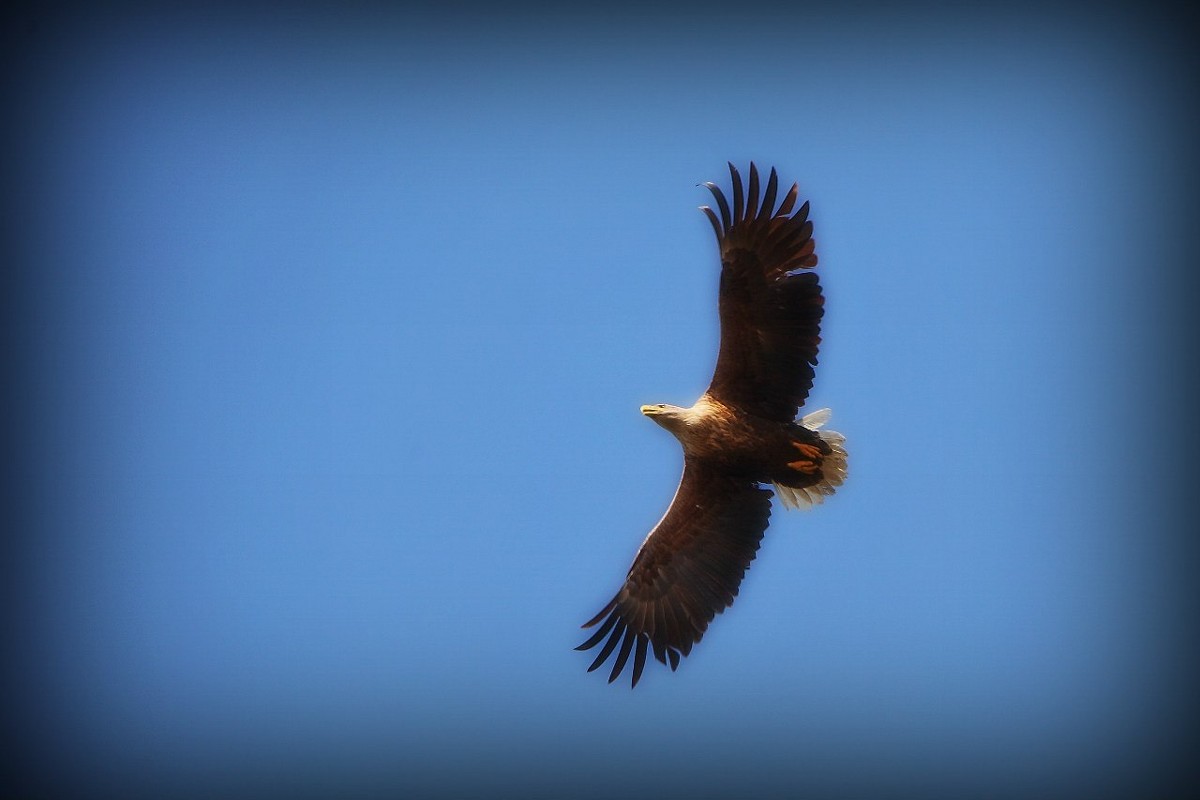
x=739 y=437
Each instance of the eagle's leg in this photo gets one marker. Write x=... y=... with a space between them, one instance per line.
x=806 y=465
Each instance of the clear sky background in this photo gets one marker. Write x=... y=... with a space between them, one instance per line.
x=337 y=327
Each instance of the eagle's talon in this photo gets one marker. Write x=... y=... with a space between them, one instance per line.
x=807 y=449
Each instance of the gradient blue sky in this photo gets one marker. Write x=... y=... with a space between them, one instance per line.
x=341 y=327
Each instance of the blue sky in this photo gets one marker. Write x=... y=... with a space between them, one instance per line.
x=342 y=325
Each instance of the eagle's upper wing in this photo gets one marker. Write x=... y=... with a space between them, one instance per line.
x=770 y=305
x=688 y=569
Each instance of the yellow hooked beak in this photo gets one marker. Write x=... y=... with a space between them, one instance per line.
x=650 y=411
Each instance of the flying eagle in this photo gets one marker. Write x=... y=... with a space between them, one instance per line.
x=741 y=434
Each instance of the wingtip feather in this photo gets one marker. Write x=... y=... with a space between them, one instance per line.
x=722 y=203
x=712 y=218
x=603 y=655
x=600 y=616
x=752 y=193
x=623 y=656
x=639 y=659
x=738 y=202
x=768 y=203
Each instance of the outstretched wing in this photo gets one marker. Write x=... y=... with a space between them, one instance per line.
x=686 y=572
x=770 y=304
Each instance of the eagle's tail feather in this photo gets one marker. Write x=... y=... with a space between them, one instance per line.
x=833 y=466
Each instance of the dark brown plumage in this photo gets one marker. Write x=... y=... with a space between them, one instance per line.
x=739 y=435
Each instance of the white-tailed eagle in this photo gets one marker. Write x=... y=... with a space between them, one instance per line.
x=739 y=438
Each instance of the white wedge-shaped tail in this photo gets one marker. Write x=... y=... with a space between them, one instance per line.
x=833 y=467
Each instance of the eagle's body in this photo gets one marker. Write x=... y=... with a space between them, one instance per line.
x=739 y=445
x=741 y=434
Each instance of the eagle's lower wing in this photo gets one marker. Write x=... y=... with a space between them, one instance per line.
x=770 y=304
x=688 y=570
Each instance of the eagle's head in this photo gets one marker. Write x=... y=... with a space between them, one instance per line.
x=670 y=417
